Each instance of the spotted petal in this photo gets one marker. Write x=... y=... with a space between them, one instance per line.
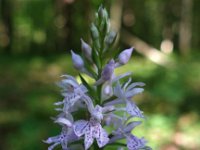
x=88 y=138
x=70 y=100
x=134 y=143
x=103 y=139
x=133 y=110
x=80 y=127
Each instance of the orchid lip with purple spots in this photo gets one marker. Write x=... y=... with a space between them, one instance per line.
x=91 y=130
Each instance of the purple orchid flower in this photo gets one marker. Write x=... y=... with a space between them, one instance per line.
x=124 y=95
x=72 y=92
x=124 y=130
x=92 y=129
x=66 y=136
x=135 y=143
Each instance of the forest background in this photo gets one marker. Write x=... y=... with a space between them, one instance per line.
x=36 y=37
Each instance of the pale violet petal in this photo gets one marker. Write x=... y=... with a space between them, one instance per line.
x=70 y=101
x=131 y=126
x=69 y=77
x=114 y=102
x=133 y=92
x=132 y=85
x=88 y=139
x=134 y=143
x=89 y=103
x=106 y=109
x=58 y=109
x=97 y=113
x=118 y=91
x=52 y=139
x=99 y=81
x=70 y=82
x=95 y=129
x=63 y=121
x=64 y=145
x=80 y=127
x=58 y=103
x=103 y=139
x=127 y=83
x=83 y=88
x=117 y=78
x=133 y=110
x=116 y=138
x=53 y=146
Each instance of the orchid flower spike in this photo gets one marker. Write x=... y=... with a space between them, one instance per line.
x=87 y=111
x=133 y=142
x=72 y=92
x=124 y=95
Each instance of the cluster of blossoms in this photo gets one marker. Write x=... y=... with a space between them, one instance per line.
x=98 y=114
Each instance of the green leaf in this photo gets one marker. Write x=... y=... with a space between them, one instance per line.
x=91 y=91
x=95 y=58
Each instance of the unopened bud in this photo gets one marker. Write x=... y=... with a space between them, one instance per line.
x=107 y=73
x=77 y=61
x=108 y=70
x=107 y=90
x=87 y=50
x=125 y=55
x=94 y=32
x=110 y=38
x=101 y=11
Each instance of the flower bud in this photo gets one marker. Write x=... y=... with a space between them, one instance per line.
x=94 y=32
x=107 y=90
x=101 y=11
x=77 y=61
x=87 y=50
x=107 y=73
x=108 y=70
x=125 y=55
x=110 y=38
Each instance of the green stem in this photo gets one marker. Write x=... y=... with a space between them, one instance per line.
x=99 y=94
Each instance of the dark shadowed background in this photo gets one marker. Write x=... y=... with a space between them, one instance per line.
x=36 y=37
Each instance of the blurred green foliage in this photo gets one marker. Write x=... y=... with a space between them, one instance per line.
x=35 y=36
